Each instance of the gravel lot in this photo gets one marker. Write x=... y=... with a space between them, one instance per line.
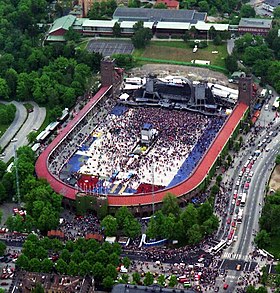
x=192 y=73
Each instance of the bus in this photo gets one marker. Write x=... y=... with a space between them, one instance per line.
x=243 y=199
x=240 y=216
x=218 y=247
x=275 y=105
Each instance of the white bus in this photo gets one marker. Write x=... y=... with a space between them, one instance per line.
x=275 y=105
x=243 y=199
x=218 y=247
x=240 y=216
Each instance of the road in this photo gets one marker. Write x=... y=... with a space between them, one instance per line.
x=34 y=121
x=20 y=117
x=239 y=252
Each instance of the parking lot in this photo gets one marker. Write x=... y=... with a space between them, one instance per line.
x=7 y=267
x=110 y=47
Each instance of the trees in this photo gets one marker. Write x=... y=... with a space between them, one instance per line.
x=84 y=268
x=149 y=279
x=203 y=6
x=277 y=160
x=136 y=277
x=61 y=266
x=247 y=11
x=110 y=225
x=116 y=30
x=142 y=36
x=108 y=282
x=132 y=227
x=23 y=262
x=276 y=12
x=124 y=60
x=31 y=136
x=2 y=248
x=173 y=281
x=34 y=265
x=160 y=6
x=231 y=63
x=72 y=35
x=217 y=41
x=262 y=239
x=170 y=205
x=4 y=89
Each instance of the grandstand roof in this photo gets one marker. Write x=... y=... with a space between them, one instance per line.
x=163 y=15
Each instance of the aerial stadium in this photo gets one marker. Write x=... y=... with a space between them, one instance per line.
x=140 y=138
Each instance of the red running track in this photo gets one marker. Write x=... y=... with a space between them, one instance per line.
x=185 y=187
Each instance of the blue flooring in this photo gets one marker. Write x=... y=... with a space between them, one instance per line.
x=197 y=152
x=75 y=163
x=119 y=110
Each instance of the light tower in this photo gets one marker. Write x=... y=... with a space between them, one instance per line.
x=17 y=178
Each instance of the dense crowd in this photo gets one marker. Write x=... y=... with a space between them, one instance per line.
x=75 y=227
x=115 y=154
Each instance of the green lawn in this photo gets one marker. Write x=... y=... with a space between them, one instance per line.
x=82 y=45
x=181 y=51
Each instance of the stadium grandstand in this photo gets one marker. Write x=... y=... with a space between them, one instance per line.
x=133 y=154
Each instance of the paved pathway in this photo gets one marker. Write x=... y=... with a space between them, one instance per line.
x=20 y=117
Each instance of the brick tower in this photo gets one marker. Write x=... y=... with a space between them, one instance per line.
x=110 y=75
x=245 y=93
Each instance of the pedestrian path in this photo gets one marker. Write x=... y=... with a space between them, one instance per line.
x=229 y=255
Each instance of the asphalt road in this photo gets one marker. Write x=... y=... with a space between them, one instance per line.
x=34 y=121
x=20 y=117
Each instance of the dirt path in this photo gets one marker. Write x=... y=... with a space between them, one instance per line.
x=274 y=182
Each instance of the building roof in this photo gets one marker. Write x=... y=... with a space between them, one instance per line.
x=203 y=26
x=55 y=38
x=255 y=22
x=174 y=25
x=62 y=23
x=169 y=3
x=130 y=24
x=273 y=3
x=99 y=23
x=164 y=15
x=122 y=288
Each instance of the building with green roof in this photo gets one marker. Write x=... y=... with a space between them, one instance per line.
x=59 y=27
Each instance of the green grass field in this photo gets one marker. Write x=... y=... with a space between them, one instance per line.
x=181 y=51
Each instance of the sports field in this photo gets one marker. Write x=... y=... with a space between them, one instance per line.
x=181 y=51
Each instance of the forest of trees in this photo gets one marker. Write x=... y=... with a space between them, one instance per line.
x=43 y=205
x=75 y=258
x=50 y=74
x=260 y=56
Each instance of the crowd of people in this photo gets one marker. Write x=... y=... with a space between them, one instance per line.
x=116 y=156
x=75 y=227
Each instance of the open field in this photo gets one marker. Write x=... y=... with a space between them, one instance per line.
x=181 y=51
